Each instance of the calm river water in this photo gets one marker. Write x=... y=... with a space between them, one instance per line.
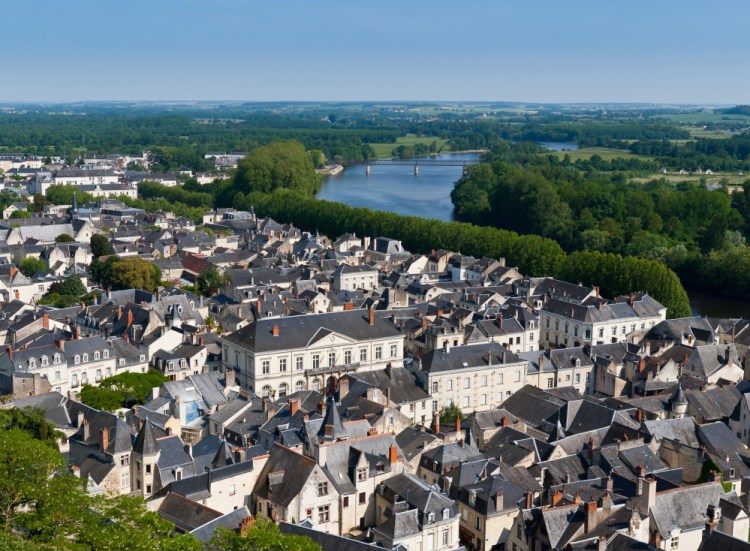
x=397 y=189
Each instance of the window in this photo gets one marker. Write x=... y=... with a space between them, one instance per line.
x=45 y=361
x=484 y=380
x=266 y=391
x=575 y=331
x=449 y=384
x=346 y=502
x=445 y=536
x=466 y=401
x=316 y=385
x=674 y=543
x=467 y=382
x=56 y=359
x=148 y=469
x=109 y=372
x=57 y=375
x=98 y=375
x=74 y=381
x=308 y=513
x=322 y=489
x=614 y=331
x=578 y=378
x=567 y=377
x=347 y=357
x=531 y=337
x=557 y=325
x=299 y=385
x=232 y=490
x=283 y=390
x=378 y=352
x=125 y=479
x=324 y=514
x=178 y=474
x=331 y=359
x=299 y=362
x=547 y=322
x=623 y=329
x=316 y=361
x=518 y=377
x=588 y=334
x=362 y=474
x=105 y=354
x=362 y=498
x=601 y=332
x=85 y=357
x=550 y=382
x=518 y=340
x=32 y=363
x=394 y=350
x=483 y=400
x=282 y=365
x=363 y=354
x=478 y=523
x=266 y=367
x=434 y=387
x=124 y=461
x=96 y=355
x=499 y=378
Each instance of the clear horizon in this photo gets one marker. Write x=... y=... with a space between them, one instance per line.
x=669 y=52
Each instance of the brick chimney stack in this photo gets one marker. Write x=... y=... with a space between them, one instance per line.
x=275 y=330
x=393 y=454
x=372 y=316
x=104 y=438
x=45 y=320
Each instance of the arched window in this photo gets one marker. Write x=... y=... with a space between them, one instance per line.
x=85 y=357
x=77 y=359
x=96 y=355
x=316 y=384
x=266 y=391
x=299 y=386
x=106 y=354
x=283 y=389
x=57 y=359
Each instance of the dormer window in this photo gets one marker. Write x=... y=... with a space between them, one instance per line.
x=431 y=518
x=96 y=355
x=106 y=354
x=472 y=497
x=77 y=359
x=362 y=474
x=45 y=361
x=578 y=362
x=56 y=359
x=446 y=512
x=32 y=363
x=85 y=358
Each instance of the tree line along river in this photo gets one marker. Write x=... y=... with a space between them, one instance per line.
x=397 y=189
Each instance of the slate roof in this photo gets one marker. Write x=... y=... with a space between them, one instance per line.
x=684 y=508
x=468 y=357
x=184 y=513
x=326 y=540
x=300 y=331
x=231 y=520
x=292 y=471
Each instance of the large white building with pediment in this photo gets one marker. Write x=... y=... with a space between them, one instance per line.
x=279 y=356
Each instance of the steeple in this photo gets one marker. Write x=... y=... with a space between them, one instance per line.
x=145 y=443
x=333 y=427
x=678 y=403
x=74 y=210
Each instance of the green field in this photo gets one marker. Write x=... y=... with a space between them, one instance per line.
x=386 y=149
x=705 y=116
x=605 y=153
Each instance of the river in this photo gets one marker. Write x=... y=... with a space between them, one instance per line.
x=397 y=189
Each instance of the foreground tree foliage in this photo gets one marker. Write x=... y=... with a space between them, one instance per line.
x=262 y=535
x=100 y=245
x=67 y=293
x=44 y=507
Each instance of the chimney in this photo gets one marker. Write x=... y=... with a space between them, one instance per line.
x=76 y=471
x=528 y=500
x=275 y=330
x=730 y=355
x=9 y=352
x=556 y=498
x=601 y=543
x=504 y=422
x=45 y=320
x=239 y=455
x=591 y=448
x=119 y=312
x=596 y=292
x=343 y=387
x=393 y=454
x=104 y=438
x=80 y=419
x=388 y=396
x=648 y=498
x=631 y=299
x=293 y=405
x=86 y=430
x=458 y=424
x=436 y=424
x=591 y=516
x=322 y=409
x=372 y=316
x=130 y=318
x=229 y=378
x=424 y=324
x=77 y=334
x=439 y=314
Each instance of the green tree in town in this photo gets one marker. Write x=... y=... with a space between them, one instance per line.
x=20 y=214
x=31 y=265
x=100 y=245
x=64 y=238
x=209 y=282
x=449 y=414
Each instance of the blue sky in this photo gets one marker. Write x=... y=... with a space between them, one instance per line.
x=687 y=51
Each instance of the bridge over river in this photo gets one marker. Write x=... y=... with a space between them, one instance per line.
x=416 y=163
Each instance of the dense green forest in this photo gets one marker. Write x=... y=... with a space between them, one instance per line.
x=701 y=234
